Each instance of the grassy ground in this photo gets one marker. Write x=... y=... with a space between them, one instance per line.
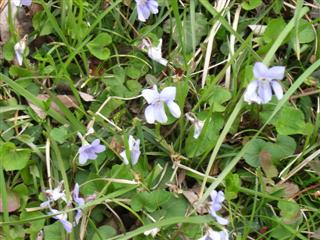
x=83 y=77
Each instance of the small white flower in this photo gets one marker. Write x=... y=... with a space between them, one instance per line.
x=198 y=125
x=215 y=235
x=19 y=49
x=153 y=232
x=155 y=111
x=134 y=149
x=266 y=81
x=155 y=53
x=54 y=195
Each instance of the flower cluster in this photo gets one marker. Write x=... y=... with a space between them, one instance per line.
x=54 y=195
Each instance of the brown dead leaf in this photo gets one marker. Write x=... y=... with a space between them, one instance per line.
x=13 y=202
x=22 y=20
x=266 y=163
x=4 y=25
x=290 y=189
x=192 y=196
x=67 y=100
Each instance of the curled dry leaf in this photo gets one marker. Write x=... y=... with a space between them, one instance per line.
x=86 y=97
x=67 y=100
x=192 y=196
x=257 y=30
x=290 y=189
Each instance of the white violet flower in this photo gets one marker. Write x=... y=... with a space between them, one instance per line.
x=155 y=111
x=153 y=232
x=198 y=125
x=266 y=80
x=134 y=149
x=19 y=49
x=155 y=53
x=215 y=235
x=54 y=195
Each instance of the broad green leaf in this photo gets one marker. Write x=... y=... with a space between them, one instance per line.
x=175 y=207
x=252 y=154
x=218 y=96
x=290 y=121
x=59 y=134
x=290 y=211
x=54 y=231
x=105 y=232
x=233 y=183
x=13 y=158
x=150 y=200
x=274 y=28
x=305 y=32
x=250 y=4
x=283 y=147
x=97 y=46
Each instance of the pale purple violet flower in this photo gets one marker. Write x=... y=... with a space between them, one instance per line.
x=63 y=219
x=89 y=151
x=155 y=53
x=216 y=204
x=79 y=201
x=54 y=195
x=215 y=235
x=134 y=149
x=145 y=7
x=260 y=90
x=20 y=3
x=155 y=111
x=198 y=125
